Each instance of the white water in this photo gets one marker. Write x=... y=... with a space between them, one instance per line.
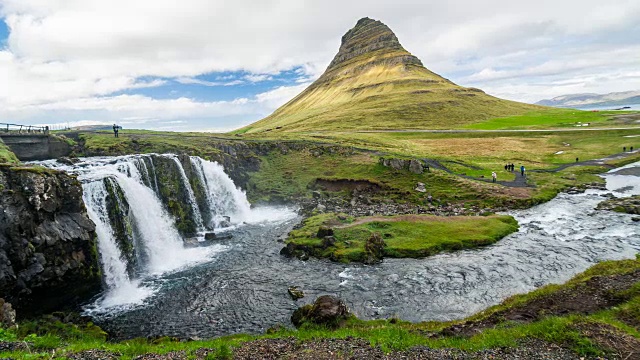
x=223 y=196
x=192 y=198
x=120 y=289
x=155 y=233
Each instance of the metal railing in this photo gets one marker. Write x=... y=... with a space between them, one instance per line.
x=23 y=129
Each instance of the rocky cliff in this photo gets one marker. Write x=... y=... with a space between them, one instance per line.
x=48 y=255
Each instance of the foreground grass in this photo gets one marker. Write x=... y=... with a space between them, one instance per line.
x=409 y=236
x=50 y=338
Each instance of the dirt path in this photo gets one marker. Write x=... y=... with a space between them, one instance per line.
x=595 y=162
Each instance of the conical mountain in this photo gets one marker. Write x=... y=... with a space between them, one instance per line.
x=374 y=83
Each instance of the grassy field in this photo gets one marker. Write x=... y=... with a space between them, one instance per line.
x=284 y=177
x=553 y=118
x=50 y=338
x=406 y=236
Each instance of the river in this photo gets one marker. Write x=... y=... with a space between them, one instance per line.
x=240 y=285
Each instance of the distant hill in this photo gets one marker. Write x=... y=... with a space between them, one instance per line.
x=374 y=83
x=593 y=100
x=93 y=127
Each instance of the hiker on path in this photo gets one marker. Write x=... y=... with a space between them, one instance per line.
x=631 y=149
x=513 y=168
x=494 y=176
x=115 y=130
x=522 y=170
x=576 y=159
x=624 y=149
x=506 y=167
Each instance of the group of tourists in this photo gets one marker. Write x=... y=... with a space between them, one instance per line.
x=624 y=149
x=508 y=167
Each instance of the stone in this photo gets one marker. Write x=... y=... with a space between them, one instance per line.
x=316 y=194
x=629 y=205
x=635 y=219
x=210 y=236
x=397 y=164
x=328 y=241
x=321 y=208
x=324 y=231
x=7 y=314
x=374 y=249
x=191 y=242
x=421 y=187
x=295 y=293
x=416 y=167
x=67 y=161
x=225 y=222
x=327 y=310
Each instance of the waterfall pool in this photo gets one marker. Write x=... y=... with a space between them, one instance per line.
x=240 y=285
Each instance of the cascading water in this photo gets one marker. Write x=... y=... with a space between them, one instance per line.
x=191 y=196
x=223 y=197
x=152 y=231
x=119 y=286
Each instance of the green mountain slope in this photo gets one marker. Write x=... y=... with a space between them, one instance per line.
x=374 y=83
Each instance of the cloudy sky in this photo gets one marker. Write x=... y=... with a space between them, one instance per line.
x=216 y=65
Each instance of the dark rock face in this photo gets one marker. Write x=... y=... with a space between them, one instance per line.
x=326 y=310
x=121 y=222
x=174 y=194
x=48 y=254
x=369 y=36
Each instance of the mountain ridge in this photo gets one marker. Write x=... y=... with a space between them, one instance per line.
x=593 y=100
x=374 y=83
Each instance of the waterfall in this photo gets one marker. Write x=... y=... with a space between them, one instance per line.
x=192 y=198
x=120 y=288
x=145 y=222
x=223 y=197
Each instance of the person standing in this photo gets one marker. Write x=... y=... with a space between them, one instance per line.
x=494 y=176
x=115 y=130
x=522 y=170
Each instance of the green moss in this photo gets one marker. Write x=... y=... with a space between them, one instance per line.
x=6 y=155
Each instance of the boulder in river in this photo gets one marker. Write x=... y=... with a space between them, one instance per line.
x=226 y=222
x=295 y=293
x=629 y=205
x=68 y=161
x=327 y=310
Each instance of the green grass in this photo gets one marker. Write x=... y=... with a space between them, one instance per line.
x=412 y=236
x=6 y=156
x=551 y=118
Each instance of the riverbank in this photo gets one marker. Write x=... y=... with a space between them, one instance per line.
x=593 y=315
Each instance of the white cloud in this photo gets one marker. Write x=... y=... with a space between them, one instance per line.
x=69 y=57
x=188 y=80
